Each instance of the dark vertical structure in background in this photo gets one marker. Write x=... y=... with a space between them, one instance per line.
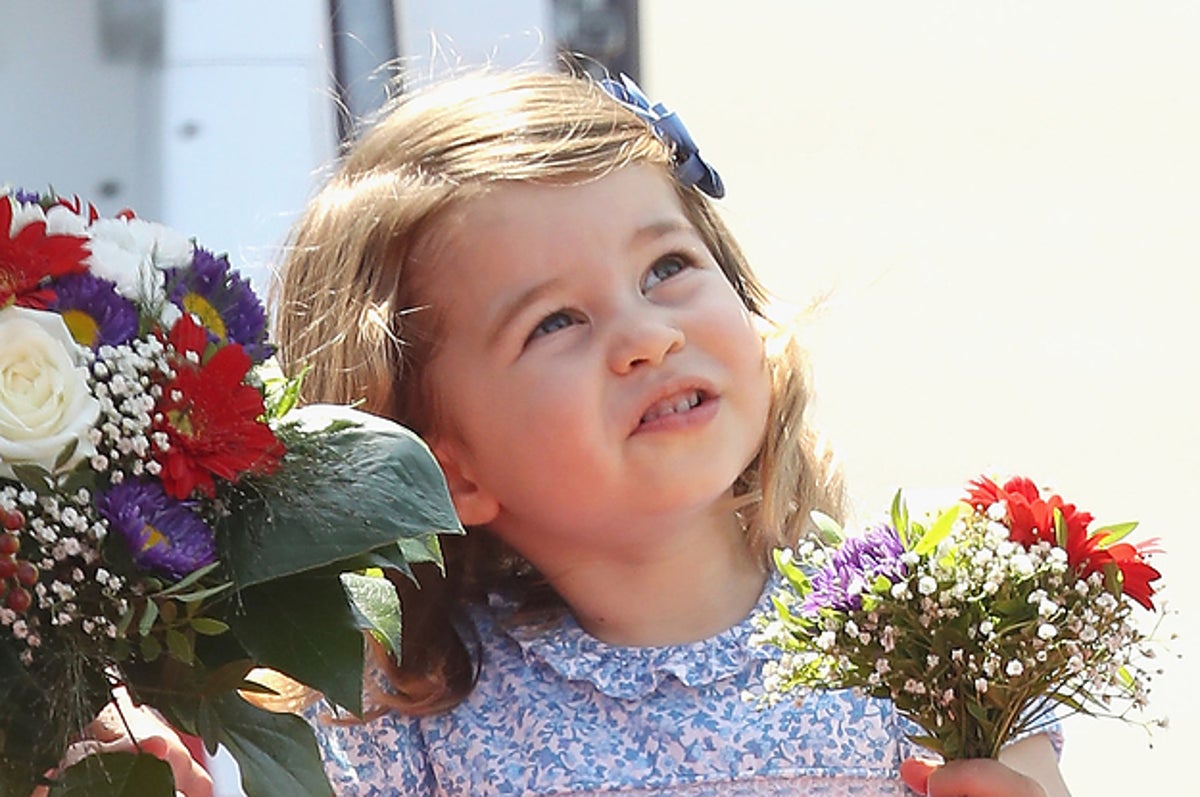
x=364 y=44
x=600 y=35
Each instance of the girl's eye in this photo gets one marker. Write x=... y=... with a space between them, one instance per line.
x=662 y=270
x=557 y=320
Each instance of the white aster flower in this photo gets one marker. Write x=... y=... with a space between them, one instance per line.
x=132 y=253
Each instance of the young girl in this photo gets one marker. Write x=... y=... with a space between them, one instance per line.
x=525 y=269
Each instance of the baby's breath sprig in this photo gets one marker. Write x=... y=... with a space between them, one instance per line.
x=990 y=621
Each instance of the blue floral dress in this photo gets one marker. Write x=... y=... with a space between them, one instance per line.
x=557 y=711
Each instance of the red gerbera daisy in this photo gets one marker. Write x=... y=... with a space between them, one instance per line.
x=31 y=256
x=1031 y=518
x=211 y=418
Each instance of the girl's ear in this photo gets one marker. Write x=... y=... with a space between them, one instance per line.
x=474 y=505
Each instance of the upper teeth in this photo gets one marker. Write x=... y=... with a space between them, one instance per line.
x=671 y=405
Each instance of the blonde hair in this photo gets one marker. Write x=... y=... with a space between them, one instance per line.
x=347 y=311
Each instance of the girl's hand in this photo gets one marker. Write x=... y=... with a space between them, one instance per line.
x=975 y=777
x=1028 y=768
x=108 y=734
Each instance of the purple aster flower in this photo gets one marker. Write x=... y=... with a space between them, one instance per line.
x=165 y=536
x=852 y=569
x=24 y=197
x=93 y=310
x=223 y=301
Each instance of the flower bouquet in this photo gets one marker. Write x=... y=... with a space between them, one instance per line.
x=989 y=621
x=169 y=521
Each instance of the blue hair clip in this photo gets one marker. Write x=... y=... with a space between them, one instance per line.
x=690 y=168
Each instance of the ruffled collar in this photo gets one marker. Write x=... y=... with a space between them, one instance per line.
x=630 y=672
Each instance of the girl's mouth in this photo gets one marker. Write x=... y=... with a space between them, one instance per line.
x=672 y=405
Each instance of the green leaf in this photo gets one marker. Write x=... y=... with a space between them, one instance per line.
x=150 y=648
x=188 y=580
x=375 y=483
x=1112 y=579
x=149 y=615
x=937 y=532
x=276 y=753
x=425 y=548
x=35 y=477
x=227 y=677
x=179 y=646
x=304 y=626
x=65 y=455
x=792 y=572
x=116 y=775
x=1060 y=528
x=282 y=393
x=209 y=626
x=828 y=529
x=931 y=743
x=202 y=594
x=979 y=712
x=900 y=517
x=376 y=602
x=1115 y=532
x=387 y=557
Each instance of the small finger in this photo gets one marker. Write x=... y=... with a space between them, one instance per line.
x=78 y=751
x=915 y=773
x=193 y=781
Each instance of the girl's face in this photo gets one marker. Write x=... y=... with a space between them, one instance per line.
x=596 y=375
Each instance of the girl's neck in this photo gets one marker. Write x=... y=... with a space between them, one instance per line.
x=691 y=587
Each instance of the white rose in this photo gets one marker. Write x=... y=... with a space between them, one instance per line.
x=132 y=253
x=45 y=402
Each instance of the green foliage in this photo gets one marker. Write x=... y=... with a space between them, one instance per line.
x=119 y=774
x=304 y=626
x=276 y=753
x=375 y=483
x=36 y=718
x=937 y=532
x=281 y=394
x=377 y=607
x=828 y=530
x=299 y=582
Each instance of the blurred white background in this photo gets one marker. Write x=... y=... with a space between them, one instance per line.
x=1000 y=201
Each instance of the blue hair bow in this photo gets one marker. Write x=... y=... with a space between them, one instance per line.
x=690 y=168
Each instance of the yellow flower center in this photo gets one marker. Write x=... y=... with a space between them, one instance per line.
x=181 y=422
x=154 y=537
x=82 y=326
x=200 y=307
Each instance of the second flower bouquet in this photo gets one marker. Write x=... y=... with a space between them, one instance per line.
x=982 y=623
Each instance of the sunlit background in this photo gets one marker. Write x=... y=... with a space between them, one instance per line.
x=998 y=203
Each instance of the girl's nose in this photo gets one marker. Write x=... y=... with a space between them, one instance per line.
x=643 y=341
